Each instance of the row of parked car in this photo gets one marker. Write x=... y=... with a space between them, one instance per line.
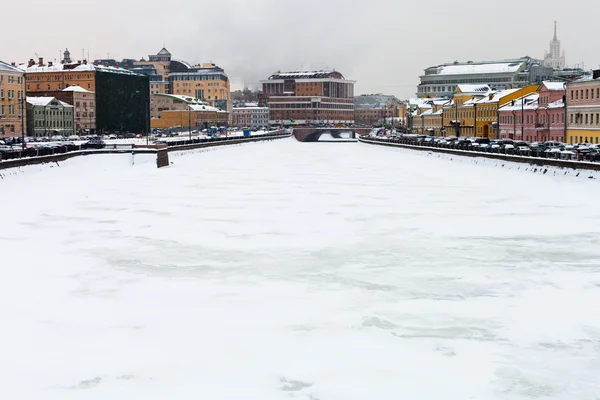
x=548 y=149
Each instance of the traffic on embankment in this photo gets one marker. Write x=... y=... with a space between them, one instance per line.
x=578 y=156
x=65 y=151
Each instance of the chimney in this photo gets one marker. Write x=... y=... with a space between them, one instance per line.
x=49 y=63
x=96 y=62
x=106 y=64
x=84 y=62
x=78 y=62
x=596 y=74
x=31 y=63
x=14 y=64
x=41 y=61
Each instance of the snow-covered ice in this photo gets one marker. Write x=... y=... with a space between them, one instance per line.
x=286 y=270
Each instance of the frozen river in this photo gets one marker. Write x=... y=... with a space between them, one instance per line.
x=284 y=270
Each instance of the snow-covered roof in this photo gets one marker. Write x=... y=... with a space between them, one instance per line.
x=44 y=101
x=306 y=75
x=203 y=107
x=9 y=68
x=491 y=68
x=554 y=85
x=184 y=99
x=73 y=68
x=556 y=104
x=164 y=52
x=529 y=102
x=496 y=96
x=464 y=88
x=75 y=88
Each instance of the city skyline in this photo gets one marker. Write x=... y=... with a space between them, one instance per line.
x=384 y=47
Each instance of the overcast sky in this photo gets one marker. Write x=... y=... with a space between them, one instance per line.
x=383 y=44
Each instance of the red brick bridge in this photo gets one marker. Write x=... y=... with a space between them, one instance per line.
x=312 y=134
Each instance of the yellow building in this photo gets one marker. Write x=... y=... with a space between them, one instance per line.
x=485 y=109
x=170 y=110
x=207 y=82
x=12 y=100
x=427 y=116
x=474 y=109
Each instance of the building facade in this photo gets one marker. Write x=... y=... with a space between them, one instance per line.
x=12 y=97
x=207 y=82
x=583 y=110
x=186 y=112
x=443 y=80
x=555 y=58
x=309 y=97
x=251 y=117
x=84 y=103
x=48 y=116
x=372 y=109
x=122 y=97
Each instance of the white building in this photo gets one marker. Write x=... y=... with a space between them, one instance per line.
x=442 y=80
x=555 y=58
x=251 y=117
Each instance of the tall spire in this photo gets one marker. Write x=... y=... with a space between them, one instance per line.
x=554 y=29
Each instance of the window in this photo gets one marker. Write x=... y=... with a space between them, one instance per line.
x=571 y=95
x=586 y=119
x=577 y=95
x=587 y=95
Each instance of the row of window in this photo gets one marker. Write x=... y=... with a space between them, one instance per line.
x=58 y=77
x=578 y=94
x=84 y=115
x=53 y=124
x=38 y=87
x=11 y=94
x=584 y=119
x=7 y=128
x=582 y=139
x=12 y=110
x=199 y=78
x=10 y=79
x=553 y=119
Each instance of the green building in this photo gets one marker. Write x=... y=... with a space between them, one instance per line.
x=47 y=116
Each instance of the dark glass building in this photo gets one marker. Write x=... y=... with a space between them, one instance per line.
x=122 y=101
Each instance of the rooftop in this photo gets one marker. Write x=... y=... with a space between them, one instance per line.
x=307 y=75
x=9 y=68
x=75 y=88
x=44 y=101
x=73 y=67
x=559 y=86
x=480 y=89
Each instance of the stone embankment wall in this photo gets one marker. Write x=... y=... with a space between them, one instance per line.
x=549 y=162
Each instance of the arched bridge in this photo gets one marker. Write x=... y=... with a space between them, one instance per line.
x=312 y=134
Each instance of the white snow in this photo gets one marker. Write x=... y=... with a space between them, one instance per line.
x=492 y=68
x=75 y=88
x=281 y=270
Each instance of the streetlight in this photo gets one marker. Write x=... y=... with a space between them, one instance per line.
x=22 y=105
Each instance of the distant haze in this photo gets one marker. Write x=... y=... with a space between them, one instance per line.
x=383 y=44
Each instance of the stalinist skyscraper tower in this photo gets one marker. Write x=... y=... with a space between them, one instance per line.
x=555 y=58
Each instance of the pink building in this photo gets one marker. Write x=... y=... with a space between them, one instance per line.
x=584 y=109
x=537 y=117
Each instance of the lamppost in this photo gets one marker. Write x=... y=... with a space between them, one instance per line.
x=190 y=121
x=475 y=133
x=22 y=105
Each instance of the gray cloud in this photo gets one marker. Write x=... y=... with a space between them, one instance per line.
x=383 y=44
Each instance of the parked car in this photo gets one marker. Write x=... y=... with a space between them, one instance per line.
x=94 y=144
